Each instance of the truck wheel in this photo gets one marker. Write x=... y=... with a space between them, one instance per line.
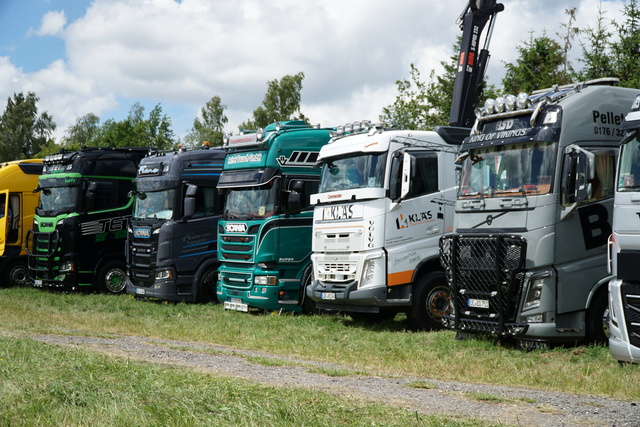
x=112 y=277
x=207 y=286
x=597 y=320
x=16 y=273
x=308 y=305
x=429 y=302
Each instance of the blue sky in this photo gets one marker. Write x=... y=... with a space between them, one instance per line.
x=102 y=56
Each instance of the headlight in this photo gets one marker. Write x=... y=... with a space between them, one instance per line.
x=371 y=269
x=535 y=291
x=60 y=222
x=265 y=280
x=67 y=267
x=164 y=274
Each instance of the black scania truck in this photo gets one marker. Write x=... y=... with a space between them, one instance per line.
x=171 y=241
x=79 y=231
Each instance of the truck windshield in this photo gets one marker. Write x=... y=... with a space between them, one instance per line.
x=252 y=202
x=629 y=171
x=154 y=205
x=364 y=171
x=58 y=199
x=502 y=170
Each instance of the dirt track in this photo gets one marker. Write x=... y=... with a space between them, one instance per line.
x=449 y=398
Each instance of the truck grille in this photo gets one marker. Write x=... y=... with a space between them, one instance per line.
x=45 y=254
x=486 y=275
x=235 y=280
x=631 y=303
x=336 y=271
x=143 y=254
x=237 y=248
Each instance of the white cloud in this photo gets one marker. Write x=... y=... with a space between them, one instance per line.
x=52 y=24
x=181 y=53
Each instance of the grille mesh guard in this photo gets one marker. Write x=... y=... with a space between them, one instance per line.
x=631 y=305
x=486 y=275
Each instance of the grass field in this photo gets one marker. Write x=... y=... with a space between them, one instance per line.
x=62 y=386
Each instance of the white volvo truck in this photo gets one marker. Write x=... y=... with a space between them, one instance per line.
x=386 y=196
x=624 y=246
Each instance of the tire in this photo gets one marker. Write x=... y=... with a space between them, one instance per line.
x=16 y=273
x=430 y=301
x=597 y=327
x=207 y=283
x=112 y=277
x=308 y=305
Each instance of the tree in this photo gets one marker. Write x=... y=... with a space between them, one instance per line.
x=211 y=127
x=540 y=64
x=567 y=39
x=421 y=105
x=410 y=110
x=24 y=132
x=595 y=50
x=83 y=133
x=280 y=103
x=134 y=131
x=626 y=50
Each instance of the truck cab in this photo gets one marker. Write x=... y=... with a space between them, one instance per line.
x=80 y=227
x=385 y=198
x=18 y=203
x=624 y=246
x=265 y=232
x=172 y=235
x=527 y=259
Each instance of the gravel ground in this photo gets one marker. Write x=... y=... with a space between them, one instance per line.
x=540 y=408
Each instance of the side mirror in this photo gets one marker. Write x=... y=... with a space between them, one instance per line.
x=406 y=175
x=294 y=204
x=190 y=201
x=90 y=199
x=578 y=170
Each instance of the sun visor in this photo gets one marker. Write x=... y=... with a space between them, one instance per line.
x=247 y=177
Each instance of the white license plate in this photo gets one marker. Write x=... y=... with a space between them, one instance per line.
x=479 y=303
x=236 y=304
x=328 y=296
x=140 y=291
x=37 y=282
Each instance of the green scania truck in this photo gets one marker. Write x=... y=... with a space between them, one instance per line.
x=264 y=236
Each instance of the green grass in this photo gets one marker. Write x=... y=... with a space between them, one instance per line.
x=387 y=348
x=50 y=386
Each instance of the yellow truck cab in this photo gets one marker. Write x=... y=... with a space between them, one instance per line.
x=18 y=203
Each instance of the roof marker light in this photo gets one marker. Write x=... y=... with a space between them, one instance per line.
x=523 y=101
x=490 y=106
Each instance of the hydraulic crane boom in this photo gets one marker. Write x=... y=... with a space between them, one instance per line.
x=472 y=64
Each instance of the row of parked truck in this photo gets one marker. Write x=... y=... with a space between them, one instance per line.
x=499 y=224
x=503 y=229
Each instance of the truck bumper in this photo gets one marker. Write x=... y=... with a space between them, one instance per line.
x=237 y=290
x=259 y=297
x=180 y=290
x=620 y=346
x=348 y=297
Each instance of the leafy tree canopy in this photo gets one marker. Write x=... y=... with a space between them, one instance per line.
x=210 y=126
x=23 y=131
x=280 y=103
